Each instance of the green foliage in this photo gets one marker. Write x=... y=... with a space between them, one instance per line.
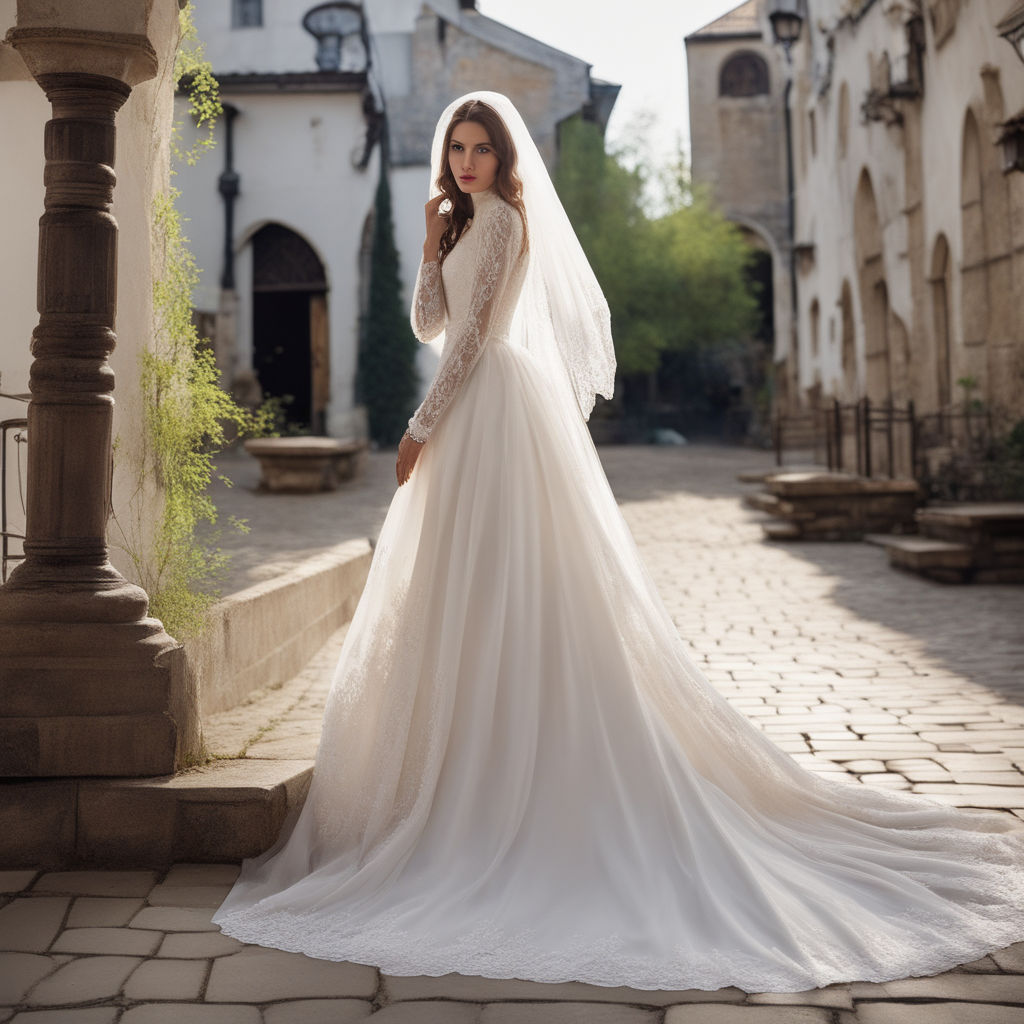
x=674 y=280
x=187 y=415
x=386 y=378
x=195 y=73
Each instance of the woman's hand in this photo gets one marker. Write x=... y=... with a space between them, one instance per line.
x=408 y=452
x=437 y=225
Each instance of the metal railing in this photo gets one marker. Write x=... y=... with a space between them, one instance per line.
x=876 y=439
x=13 y=438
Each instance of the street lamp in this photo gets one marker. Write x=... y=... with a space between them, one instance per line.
x=787 y=20
x=1012 y=141
x=331 y=24
x=1011 y=28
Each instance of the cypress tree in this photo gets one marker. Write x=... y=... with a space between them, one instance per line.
x=387 y=381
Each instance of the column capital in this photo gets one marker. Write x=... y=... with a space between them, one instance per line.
x=127 y=57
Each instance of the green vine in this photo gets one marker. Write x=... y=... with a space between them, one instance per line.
x=194 y=73
x=187 y=415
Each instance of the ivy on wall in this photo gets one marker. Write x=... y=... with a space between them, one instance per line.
x=187 y=415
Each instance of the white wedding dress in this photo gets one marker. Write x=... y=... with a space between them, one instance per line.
x=522 y=774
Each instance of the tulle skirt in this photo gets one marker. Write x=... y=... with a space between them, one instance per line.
x=522 y=774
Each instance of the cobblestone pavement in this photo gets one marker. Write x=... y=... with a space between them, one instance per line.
x=848 y=665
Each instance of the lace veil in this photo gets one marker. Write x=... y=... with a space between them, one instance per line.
x=562 y=316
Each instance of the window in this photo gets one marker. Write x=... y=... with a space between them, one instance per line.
x=246 y=13
x=743 y=74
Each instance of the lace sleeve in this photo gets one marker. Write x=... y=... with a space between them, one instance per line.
x=428 y=310
x=498 y=251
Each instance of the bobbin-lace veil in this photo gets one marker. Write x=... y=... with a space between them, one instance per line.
x=562 y=315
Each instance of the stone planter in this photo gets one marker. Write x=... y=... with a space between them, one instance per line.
x=306 y=465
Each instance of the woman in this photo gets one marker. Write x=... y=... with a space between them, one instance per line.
x=521 y=772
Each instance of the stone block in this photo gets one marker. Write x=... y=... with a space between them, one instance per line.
x=320 y=1011
x=195 y=1013
x=837 y=996
x=198 y=945
x=86 y=1015
x=201 y=874
x=83 y=981
x=563 y=1013
x=97 y=883
x=957 y=987
x=103 y=912
x=748 y=1015
x=15 y=881
x=118 y=941
x=464 y=988
x=180 y=980
x=189 y=895
x=90 y=699
x=37 y=823
x=258 y=975
x=306 y=465
x=19 y=972
x=30 y=924
x=936 y=1013
x=175 y=919
x=1011 y=959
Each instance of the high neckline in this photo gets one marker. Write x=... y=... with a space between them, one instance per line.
x=481 y=200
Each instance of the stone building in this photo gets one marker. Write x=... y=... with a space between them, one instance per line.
x=308 y=107
x=908 y=228
x=737 y=94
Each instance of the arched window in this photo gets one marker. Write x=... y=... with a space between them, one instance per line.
x=744 y=74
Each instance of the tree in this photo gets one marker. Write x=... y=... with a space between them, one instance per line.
x=673 y=281
x=387 y=381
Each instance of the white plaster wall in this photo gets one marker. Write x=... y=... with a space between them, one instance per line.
x=295 y=154
x=826 y=186
x=282 y=44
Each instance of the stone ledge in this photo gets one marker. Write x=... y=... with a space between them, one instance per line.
x=222 y=813
x=306 y=465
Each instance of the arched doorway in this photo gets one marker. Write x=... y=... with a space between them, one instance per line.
x=874 y=291
x=289 y=326
x=940 y=282
x=848 y=345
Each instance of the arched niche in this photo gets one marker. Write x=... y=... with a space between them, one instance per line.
x=874 y=291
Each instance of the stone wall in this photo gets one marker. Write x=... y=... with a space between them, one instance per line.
x=906 y=207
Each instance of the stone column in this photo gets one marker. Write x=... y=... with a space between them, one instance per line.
x=88 y=684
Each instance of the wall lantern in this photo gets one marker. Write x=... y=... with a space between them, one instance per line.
x=1012 y=140
x=332 y=25
x=1011 y=28
x=787 y=20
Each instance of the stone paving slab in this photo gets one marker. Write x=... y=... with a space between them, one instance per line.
x=856 y=670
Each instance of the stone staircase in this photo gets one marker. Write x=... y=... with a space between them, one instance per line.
x=822 y=505
x=964 y=543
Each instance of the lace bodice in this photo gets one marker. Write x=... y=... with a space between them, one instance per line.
x=472 y=297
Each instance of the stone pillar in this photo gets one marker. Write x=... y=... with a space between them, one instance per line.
x=88 y=684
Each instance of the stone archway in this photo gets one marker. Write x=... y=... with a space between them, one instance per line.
x=874 y=291
x=291 y=354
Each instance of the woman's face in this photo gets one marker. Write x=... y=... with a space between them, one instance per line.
x=471 y=157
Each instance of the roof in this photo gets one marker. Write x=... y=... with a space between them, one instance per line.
x=742 y=21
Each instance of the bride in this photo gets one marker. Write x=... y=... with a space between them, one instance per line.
x=522 y=773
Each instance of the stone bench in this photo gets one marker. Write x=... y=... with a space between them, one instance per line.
x=306 y=465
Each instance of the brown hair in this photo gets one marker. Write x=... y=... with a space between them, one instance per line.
x=506 y=182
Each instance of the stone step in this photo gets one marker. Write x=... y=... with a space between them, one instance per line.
x=233 y=806
x=923 y=553
x=992 y=517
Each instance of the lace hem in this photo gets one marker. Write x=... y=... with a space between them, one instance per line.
x=488 y=952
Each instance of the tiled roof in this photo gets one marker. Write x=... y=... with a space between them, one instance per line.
x=740 y=21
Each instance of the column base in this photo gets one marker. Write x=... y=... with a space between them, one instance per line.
x=94 y=698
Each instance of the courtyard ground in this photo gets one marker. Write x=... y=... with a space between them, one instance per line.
x=848 y=665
